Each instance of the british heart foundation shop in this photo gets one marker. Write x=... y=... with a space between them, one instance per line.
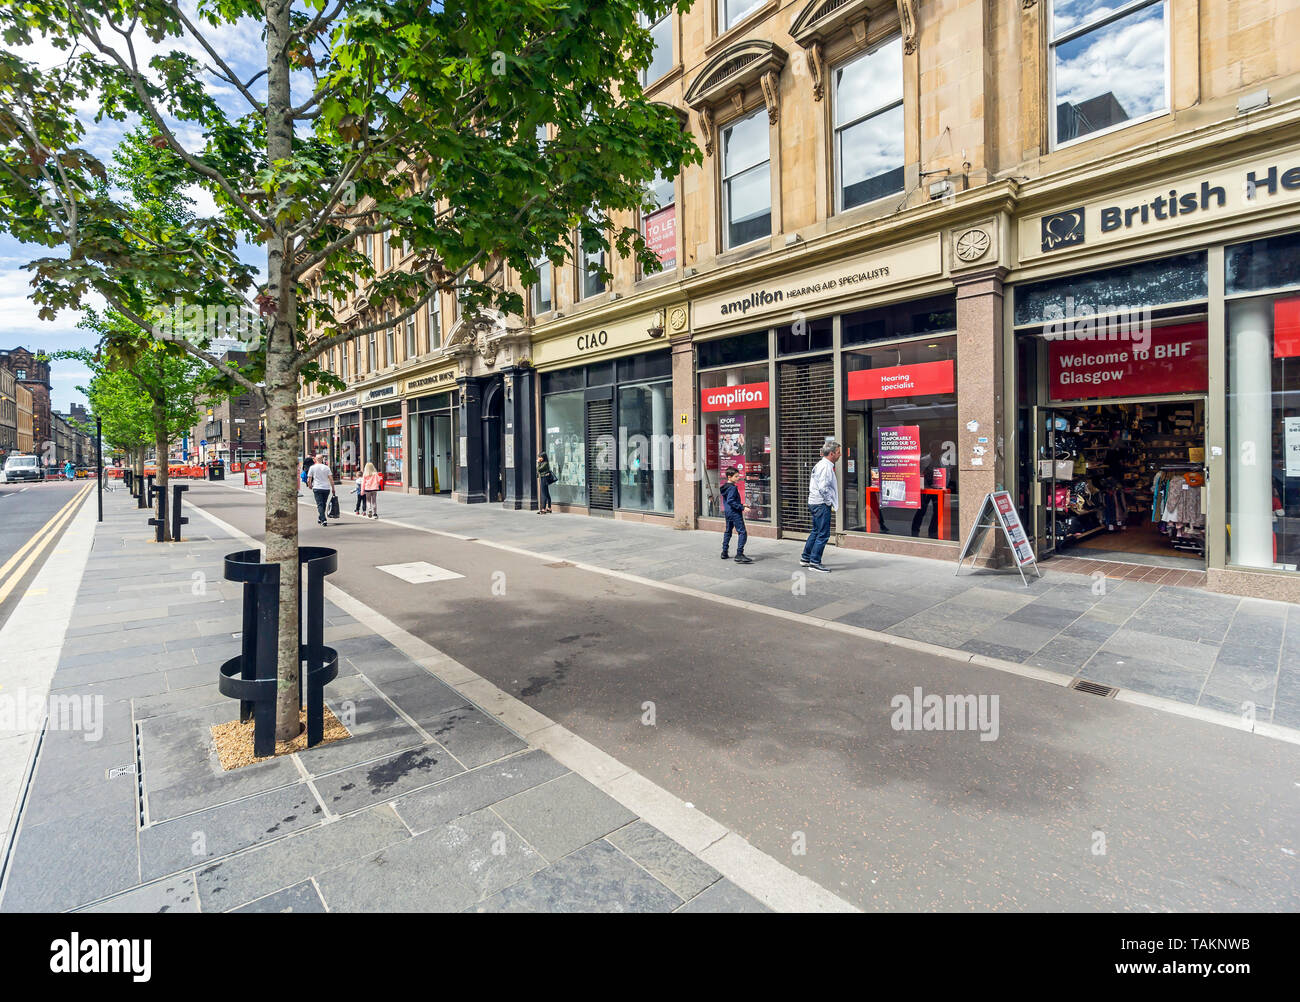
x=1118 y=444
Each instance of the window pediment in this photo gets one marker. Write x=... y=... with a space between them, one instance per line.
x=729 y=74
x=823 y=20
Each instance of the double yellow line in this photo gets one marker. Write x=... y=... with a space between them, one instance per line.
x=34 y=547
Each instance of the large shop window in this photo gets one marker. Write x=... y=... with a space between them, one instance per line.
x=1107 y=65
x=320 y=439
x=640 y=449
x=384 y=442
x=1263 y=433
x=900 y=439
x=868 y=105
x=349 y=458
x=736 y=422
x=746 y=181
x=1069 y=305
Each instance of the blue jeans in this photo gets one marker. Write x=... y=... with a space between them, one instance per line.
x=736 y=522
x=821 y=531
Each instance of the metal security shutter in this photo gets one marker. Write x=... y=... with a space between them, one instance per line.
x=601 y=457
x=806 y=410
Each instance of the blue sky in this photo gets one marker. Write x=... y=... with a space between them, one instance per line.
x=242 y=48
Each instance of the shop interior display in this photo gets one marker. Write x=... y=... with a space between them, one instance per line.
x=1133 y=472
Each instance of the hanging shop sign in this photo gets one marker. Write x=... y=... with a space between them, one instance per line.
x=903 y=380
x=747 y=396
x=816 y=287
x=900 y=466
x=1234 y=190
x=1160 y=360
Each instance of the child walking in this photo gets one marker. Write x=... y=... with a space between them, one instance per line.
x=360 y=491
x=734 y=509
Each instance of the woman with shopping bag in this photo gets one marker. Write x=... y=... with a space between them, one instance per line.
x=371 y=483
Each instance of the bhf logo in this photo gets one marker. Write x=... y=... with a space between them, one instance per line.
x=1063 y=229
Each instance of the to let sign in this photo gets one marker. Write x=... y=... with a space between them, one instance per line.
x=1161 y=360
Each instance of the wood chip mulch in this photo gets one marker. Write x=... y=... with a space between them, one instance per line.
x=235 y=740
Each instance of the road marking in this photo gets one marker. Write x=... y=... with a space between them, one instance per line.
x=39 y=540
x=418 y=572
x=744 y=864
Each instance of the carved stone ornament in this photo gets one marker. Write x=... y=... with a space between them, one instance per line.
x=907 y=21
x=816 y=69
x=771 y=94
x=487 y=348
x=973 y=244
x=677 y=319
x=706 y=126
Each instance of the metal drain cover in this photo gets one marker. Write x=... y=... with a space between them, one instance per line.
x=1094 y=688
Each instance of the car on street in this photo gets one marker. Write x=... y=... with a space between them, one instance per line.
x=20 y=468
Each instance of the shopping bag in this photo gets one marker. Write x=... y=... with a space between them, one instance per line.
x=334 y=506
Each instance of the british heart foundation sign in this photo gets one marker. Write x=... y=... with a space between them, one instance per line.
x=1161 y=360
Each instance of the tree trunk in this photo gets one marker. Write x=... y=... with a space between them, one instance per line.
x=163 y=464
x=281 y=379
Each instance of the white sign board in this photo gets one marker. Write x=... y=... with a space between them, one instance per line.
x=999 y=512
x=1292 y=446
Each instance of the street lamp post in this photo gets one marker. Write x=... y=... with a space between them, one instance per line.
x=99 y=464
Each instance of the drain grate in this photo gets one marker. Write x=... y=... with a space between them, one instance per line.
x=1094 y=688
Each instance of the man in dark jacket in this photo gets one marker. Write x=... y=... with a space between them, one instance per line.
x=734 y=509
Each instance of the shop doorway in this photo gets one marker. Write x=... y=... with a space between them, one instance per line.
x=806 y=411
x=493 y=447
x=435 y=456
x=1122 y=480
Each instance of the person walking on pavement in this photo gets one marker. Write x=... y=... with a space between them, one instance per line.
x=370 y=483
x=823 y=499
x=321 y=482
x=734 y=510
x=544 y=480
x=360 y=491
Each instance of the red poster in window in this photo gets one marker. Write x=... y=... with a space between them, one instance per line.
x=661 y=235
x=1286 y=328
x=903 y=380
x=734 y=398
x=1162 y=360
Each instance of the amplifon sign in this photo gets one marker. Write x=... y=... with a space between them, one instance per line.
x=734 y=398
x=917 y=380
x=1175 y=360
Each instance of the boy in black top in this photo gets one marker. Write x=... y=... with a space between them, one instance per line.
x=734 y=509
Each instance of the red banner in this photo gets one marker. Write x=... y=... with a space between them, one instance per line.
x=734 y=398
x=661 y=235
x=1163 y=360
x=917 y=380
x=1286 y=328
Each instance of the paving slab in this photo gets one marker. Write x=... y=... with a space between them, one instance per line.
x=596 y=878
x=563 y=815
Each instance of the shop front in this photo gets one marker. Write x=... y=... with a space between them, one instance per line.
x=1157 y=375
x=605 y=414
x=433 y=419
x=381 y=430
x=319 y=436
x=348 y=436
x=869 y=360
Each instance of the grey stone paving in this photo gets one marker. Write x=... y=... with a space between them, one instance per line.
x=1232 y=654
x=431 y=805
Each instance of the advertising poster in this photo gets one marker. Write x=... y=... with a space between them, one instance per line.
x=393 y=452
x=661 y=235
x=900 y=466
x=1014 y=529
x=1292 y=446
x=731 y=448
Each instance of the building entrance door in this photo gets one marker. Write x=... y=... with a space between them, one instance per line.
x=600 y=454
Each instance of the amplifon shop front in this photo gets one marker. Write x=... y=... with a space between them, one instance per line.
x=862 y=350
x=1156 y=338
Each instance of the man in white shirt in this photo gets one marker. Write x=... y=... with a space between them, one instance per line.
x=823 y=499
x=321 y=482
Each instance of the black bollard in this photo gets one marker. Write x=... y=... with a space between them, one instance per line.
x=177 y=520
x=160 y=523
x=142 y=495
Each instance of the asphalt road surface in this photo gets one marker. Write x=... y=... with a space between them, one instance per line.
x=29 y=515
x=787 y=733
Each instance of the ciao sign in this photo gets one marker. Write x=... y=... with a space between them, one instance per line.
x=592 y=341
